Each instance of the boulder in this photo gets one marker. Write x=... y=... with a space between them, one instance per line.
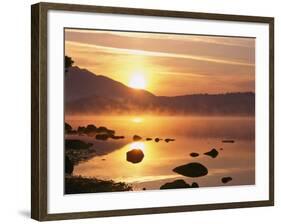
x=157 y=139
x=103 y=137
x=81 y=130
x=67 y=128
x=213 y=153
x=76 y=144
x=194 y=185
x=68 y=165
x=135 y=156
x=191 y=170
x=194 y=154
x=137 y=138
x=226 y=179
x=90 y=128
x=175 y=185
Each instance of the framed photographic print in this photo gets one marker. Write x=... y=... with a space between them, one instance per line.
x=139 y=111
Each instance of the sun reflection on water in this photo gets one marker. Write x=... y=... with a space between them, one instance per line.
x=137 y=119
x=137 y=145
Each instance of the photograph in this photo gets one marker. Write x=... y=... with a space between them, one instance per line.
x=157 y=111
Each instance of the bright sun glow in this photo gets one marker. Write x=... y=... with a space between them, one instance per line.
x=137 y=119
x=137 y=145
x=137 y=81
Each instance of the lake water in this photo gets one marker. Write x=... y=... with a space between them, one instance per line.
x=191 y=134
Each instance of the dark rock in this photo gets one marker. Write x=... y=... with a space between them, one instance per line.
x=110 y=132
x=68 y=165
x=72 y=132
x=117 y=137
x=191 y=170
x=76 y=144
x=157 y=139
x=67 y=128
x=81 y=130
x=135 y=156
x=194 y=154
x=148 y=139
x=90 y=129
x=226 y=179
x=169 y=140
x=137 y=138
x=103 y=137
x=213 y=153
x=144 y=189
x=101 y=129
x=228 y=141
x=194 y=185
x=175 y=185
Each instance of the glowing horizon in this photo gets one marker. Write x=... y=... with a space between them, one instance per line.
x=166 y=64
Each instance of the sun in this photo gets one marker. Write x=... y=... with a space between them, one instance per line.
x=137 y=81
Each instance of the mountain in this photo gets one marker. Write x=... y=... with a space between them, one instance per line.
x=88 y=93
x=81 y=84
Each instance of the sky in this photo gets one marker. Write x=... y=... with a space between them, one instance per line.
x=166 y=64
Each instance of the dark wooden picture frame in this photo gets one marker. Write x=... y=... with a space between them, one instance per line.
x=39 y=106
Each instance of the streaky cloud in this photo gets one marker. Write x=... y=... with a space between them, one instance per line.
x=114 y=50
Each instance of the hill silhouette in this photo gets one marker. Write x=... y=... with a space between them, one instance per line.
x=88 y=93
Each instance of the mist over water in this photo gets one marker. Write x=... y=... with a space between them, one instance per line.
x=192 y=134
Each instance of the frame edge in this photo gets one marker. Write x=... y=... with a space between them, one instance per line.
x=39 y=110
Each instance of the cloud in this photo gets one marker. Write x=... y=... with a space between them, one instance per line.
x=115 y=50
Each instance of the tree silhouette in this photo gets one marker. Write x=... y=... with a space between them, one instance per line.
x=68 y=62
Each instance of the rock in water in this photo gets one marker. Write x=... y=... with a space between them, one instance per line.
x=194 y=154
x=76 y=144
x=213 y=153
x=191 y=170
x=175 y=185
x=169 y=140
x=157 y=139
x=67 y=128
x=226 y=179
x=137 y=138
x=68 y=166
x=117 y=137
x=103 y=137
x=135 y=156
x=228 y=141
x=194 y=185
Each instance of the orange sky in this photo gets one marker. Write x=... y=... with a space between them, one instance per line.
x=169 y=64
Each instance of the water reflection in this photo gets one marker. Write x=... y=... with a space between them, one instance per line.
x=192 y=136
